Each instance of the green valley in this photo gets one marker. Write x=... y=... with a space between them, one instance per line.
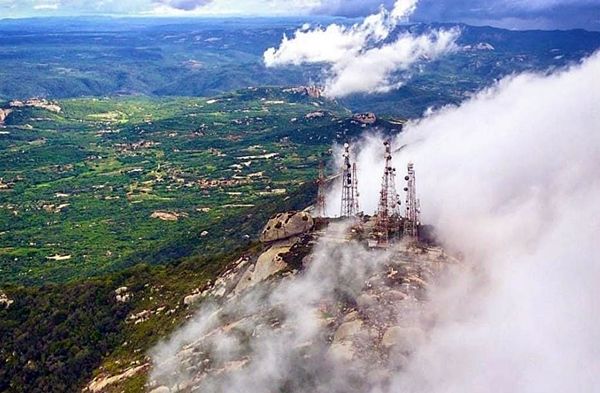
x=96 y=185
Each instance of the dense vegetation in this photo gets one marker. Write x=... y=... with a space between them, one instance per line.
x=104 y=184
x=54 y=336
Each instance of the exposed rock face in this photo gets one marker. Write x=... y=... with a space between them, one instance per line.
x=404 y=339
x=122 y=295
x=365 y=118
x=37 y=103
x=282 y=325
x=100 y=383
x=4 y=300
x=167 y=216
x=4 y=114
x=161 y=389
x=311 y=91
x=286 y=225
x=347 y=330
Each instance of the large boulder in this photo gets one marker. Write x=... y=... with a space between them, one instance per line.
x=161 y=389
x=4 y=300
x=347 y=330
x=286 y=225
x=4 y=114
x=269 y=263
x=403 y=339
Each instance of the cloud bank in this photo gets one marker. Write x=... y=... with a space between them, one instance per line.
x=360 y=58
x=511 y=178
x=274 y=337
x=186 y=5
x=511 y=14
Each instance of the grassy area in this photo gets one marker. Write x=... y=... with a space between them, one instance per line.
x=109 y=183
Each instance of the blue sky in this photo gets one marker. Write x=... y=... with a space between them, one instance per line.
x=517 y=14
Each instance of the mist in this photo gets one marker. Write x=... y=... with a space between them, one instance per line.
x=274 y=335
x=511 y=179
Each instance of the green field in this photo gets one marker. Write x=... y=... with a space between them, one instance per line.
x=108 y=183
x=156 y=194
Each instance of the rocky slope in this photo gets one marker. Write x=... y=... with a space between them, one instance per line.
x=316 y=311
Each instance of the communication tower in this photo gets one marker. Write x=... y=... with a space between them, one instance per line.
x=348 y=208
x=321 y=191
x=388 y=211
x=413 y=208
x=355 y=189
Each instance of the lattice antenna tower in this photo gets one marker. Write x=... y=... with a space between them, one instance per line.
x=388 y=211
x=348 y=200
x=411 y=222
x=321 y=181
x=355 y=189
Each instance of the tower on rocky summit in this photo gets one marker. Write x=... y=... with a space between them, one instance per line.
x=321 y=191
x=349 y=190
x=413 y=208
x=355 y=190
x=388 y=212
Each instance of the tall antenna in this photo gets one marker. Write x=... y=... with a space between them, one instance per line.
x=411 y=222
x=355 y=189
x=321 y=191
x=348 y=208
x=388 y=212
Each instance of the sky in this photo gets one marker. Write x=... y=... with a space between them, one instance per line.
x=513 y=14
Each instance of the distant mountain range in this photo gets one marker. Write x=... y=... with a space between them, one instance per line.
x=60 y=58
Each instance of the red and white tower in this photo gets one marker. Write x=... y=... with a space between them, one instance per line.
x=321 y=181
x=411 y=221
x=355 y=189
x=388 y=211
x=348 y=208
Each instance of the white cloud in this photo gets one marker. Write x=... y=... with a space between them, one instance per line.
x=232 y=7
x=359 y=58
x=46 y=7
x=373 y=70
x=511 y=179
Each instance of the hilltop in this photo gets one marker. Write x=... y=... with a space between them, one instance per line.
x=367 y=310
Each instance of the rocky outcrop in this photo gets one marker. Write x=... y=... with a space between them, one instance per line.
x=122 y=295
x=4 y=300
x=37 y=103
x=311 y=91
x=404 y=339
x=316 y=299
x=167 y=216
x=286 y=225
x=374 y=322
x=100 y=383
x=4 y=114
x=365 y=118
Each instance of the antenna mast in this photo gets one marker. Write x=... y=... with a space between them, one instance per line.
x=321 y=191
x=413 y=208
x=348 y=208
x=355 y=189
x=388 y=212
